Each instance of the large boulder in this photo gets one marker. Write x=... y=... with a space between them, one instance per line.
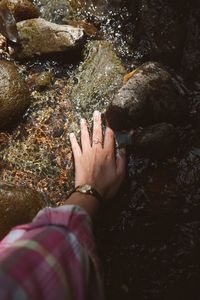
x=18 y=205
x=149 y=96
x=14 y=95
x=98 y=78
x=40 y=37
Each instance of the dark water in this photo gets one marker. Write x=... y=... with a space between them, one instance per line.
x=149 y=238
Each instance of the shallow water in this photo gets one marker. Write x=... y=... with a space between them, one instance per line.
x=149 y=238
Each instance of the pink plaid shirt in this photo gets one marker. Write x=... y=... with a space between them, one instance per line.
x=52 y=258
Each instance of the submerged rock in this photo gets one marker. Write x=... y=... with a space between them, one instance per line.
x=43 y=80
x=149 y=96
x=158 y=140
x=98 y=78
x=61 y=11
x=14 y=95
x=161 y=30
x=18 y=205
x=21 y=9
x=58 y=11
x=40 y=37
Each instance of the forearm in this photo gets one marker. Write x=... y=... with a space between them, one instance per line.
x=88 y=202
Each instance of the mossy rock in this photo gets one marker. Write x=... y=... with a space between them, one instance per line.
x=18 y=205
x=14 y=94
x=97 y=79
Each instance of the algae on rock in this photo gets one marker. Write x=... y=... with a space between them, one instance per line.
x=98 y=78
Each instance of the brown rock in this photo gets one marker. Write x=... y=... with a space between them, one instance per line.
x=18 y=205
x=14 y=95
x=21 y=9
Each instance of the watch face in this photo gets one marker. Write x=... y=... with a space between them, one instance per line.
x=85 y=188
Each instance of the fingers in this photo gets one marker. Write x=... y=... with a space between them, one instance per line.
x=121 y=163
x=109 y=142
x=85 y=138
x=75 y=146
x=97 y=137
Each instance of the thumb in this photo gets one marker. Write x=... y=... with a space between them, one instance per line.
x=121 y=162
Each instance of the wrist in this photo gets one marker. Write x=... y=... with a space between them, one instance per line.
x=88 y=202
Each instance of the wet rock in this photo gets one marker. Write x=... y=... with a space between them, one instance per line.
x=61 y=11
x=18 y=205
x=8 y=26
x=158 y=140
x=43 y=80
x=150 y=96
x=21 y=9
x=57 y=11
x=98 y=78
x=161 y=30
x=14 y=95
x=89 y=28
x=40 y=37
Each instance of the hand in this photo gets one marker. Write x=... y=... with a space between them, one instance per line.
x=95 y=162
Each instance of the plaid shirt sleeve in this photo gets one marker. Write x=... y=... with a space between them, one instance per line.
x=51 y=258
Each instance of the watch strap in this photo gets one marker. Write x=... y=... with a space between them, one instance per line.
x=92 y=191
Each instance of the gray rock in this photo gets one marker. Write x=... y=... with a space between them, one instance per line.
x=18 y=205
x=14 y=95
x=97 y=79
x=158 y=140
x=150 y=96
x=40 y=37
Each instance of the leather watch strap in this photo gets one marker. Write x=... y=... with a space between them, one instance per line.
x=89 y=190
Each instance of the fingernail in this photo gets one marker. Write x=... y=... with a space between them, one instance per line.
x=71 y=134
x=96 y=113
x=122 y=151
x=83 y=121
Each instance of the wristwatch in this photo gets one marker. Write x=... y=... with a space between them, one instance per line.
x=89 y=190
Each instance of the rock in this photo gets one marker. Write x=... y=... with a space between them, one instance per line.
x=163 y=44
x=40 y=37
x=43 y=80
x=61 y=11
x=8 y=26
x=57 y=11
x=18 y=205
x=157 y=140
x=89 y=28
x=21 y=9
x=98 y=78
x=150 y=96
x=14 y=95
